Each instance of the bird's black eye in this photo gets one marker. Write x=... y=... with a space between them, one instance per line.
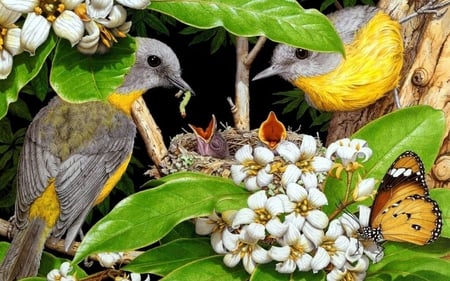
x=301 y=54
x=153 y=61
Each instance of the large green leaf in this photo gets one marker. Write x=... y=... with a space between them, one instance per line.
x=145 y=217
x=25 y=68
x=403 y=261
x=77 y=77
x=283 y=21
x=207 y=269
x=166 y=258
x=442 y=196
x=418 y=128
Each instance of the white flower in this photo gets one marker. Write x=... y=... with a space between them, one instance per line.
x=304 y=208
x=294 y=252
x=215 y=225
x=9 y=40
x=103 y=24
x=42 y=15
x=253 y=168
x=304 y=162
x=356 y=272
x=108 y=260
x=332 y=248
x=243 y=247
x=349 y=150
x=61 y=274
x=355 y=227
x=364 y=189
x=262 y=215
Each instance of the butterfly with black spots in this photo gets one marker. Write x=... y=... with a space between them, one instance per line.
x=402 y=210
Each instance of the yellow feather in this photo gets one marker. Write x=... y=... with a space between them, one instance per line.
x=371 y=69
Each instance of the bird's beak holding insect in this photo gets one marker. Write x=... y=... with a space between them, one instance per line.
x=178 y=82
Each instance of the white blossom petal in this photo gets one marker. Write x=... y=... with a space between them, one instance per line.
x=276 y=227
x=317 y=218
x=35 y=31
x=289 y=151
x=244 y=154
x=308 y=147
x=135 y=4
x=321 y=164
x=98 y=9
x=309 y=180
x=320 y=260
x=230 y=240
x=349 y=223
x=334 y=229
x=295 y=192
x=249 y=264
x=297 y=220
x=290 y=175
x=21 y=6
x=338 y=259
x=88 y=45
x=251 y=184
x=243 y=216
x=238 y=173
x=12 y=41
x=354 y=250
x=8 y=16
x=231 y=260
x=217 y=243
x=257 y=200
x=336 y=274
x=364 y=189
x=279 y=253
x=304 y=262
x=6 y=63
x=286 y=267
x=263 y=155
x=317 y=198
x=364 y=215
x=260 y=255
x=256 y=231
x=116 y=17
x=263 y=178
x=313 y=234
x=69 y=26
x=204 y=226
x=71 y=4
x=275 y=205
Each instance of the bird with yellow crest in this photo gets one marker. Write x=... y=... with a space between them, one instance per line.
x=331 y=82
x=73 y=156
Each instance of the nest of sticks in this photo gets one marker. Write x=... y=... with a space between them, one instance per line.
x=182 y=155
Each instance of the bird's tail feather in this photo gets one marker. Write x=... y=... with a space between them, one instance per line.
x=24 y=254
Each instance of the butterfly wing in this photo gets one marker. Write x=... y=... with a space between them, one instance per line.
x=402 y=210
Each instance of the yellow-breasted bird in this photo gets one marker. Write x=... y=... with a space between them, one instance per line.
x=371 y=67
x=74 y=154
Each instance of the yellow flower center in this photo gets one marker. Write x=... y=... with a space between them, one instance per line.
x=296 y=252
x=49 y=9
x=262 y=216
x=305 y=165
x=328 y=245
x=303 y=207
x=3 y=32
x=252 y=167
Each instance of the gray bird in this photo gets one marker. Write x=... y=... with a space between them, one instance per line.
x=73 y=156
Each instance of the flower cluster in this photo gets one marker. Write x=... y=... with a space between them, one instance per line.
x=284 y=221
x=93 y=26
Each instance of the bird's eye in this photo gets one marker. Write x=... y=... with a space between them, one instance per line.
x=301 y=54
x=153 y=61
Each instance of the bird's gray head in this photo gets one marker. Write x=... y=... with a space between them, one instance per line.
x=291 y=63
x=156 y=65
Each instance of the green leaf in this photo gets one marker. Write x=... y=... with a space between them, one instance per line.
x=25 y=68
x=265 y=272
x=166 y=258
x=442 y=196
x=20 y=108
x=145 y=217
x=403 y=261
x=208 y=269
x=418 y=128
x=77 y=77
x=283 y=21
x=185 y=229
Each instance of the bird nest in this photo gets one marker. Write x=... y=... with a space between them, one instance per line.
x=182 y=155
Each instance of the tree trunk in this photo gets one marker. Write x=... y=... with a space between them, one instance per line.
x=425 y=79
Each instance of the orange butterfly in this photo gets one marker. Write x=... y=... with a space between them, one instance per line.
x=402 y=210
